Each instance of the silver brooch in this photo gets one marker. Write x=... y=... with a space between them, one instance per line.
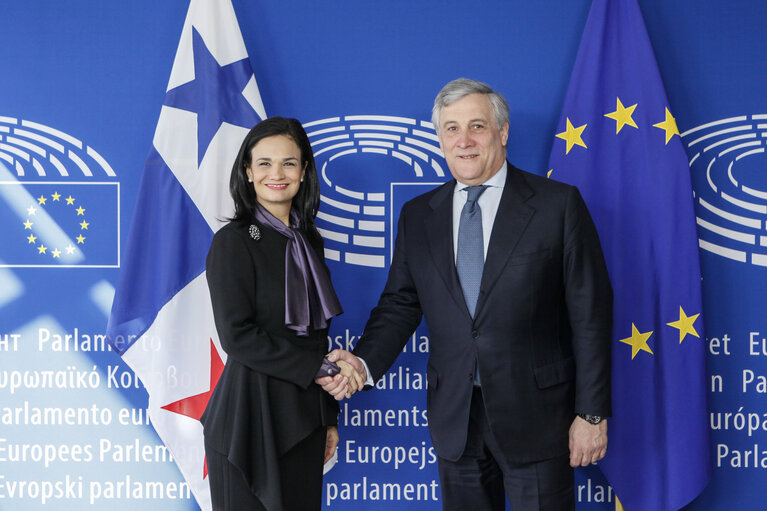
x=254 y=231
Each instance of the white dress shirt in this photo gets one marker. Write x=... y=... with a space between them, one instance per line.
x=488 y=203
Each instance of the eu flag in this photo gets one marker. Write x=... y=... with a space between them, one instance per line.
x=618 y=142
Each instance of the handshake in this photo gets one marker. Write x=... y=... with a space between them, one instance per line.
x=351 y=378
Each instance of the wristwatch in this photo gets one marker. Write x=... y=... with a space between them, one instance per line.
x=591 y=419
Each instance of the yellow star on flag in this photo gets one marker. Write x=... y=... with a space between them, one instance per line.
x=41 y=200
x=668 y=125
x=685 y=324
x=637 y=341
x=84 y=225
x=572 y=136
x=70 y=200
x=70 y=249
x=622 y=116
x=28 y=225
x=56 y=196
x=80 y=239
x=80 y=211
x=56 y=252
x=31 y=238
x=41 y=249
x=31 y=210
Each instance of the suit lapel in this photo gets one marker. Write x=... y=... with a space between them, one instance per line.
x=510 y=222
x=439 y=233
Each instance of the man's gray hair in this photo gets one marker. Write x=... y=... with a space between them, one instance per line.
x=461 y=87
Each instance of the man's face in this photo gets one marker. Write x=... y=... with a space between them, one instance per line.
x=473 y=144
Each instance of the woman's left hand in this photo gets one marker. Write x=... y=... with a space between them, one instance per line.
x=331 y=442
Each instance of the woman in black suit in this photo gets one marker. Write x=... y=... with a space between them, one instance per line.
x=268 y=426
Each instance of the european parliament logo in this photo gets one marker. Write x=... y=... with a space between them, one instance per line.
x=728 y=164
x=369 y=166
x=59 y=201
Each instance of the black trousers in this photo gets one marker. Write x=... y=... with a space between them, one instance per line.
x=481 y=477
x=300 y=478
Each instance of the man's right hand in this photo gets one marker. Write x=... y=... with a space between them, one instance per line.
x=351 y=379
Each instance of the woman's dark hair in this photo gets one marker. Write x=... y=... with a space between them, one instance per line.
x=307 y=200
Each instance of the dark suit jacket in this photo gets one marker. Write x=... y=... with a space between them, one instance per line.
x=541 y=332
x=266 y=400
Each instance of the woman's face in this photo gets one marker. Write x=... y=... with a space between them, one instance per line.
x=276 y=171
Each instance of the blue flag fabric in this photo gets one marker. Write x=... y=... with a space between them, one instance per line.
x=162 y=321
x=618 y=142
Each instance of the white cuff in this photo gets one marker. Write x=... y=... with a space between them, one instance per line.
x=369 y=381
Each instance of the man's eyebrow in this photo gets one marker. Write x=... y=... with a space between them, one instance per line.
x=476 y=119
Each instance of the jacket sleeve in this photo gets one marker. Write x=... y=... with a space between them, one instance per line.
x=589 y=298
x=232 y=282
x=397 y=314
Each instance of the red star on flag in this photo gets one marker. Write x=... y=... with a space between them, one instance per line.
x=194 y=406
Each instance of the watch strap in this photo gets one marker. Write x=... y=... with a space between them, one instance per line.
x=591 y=419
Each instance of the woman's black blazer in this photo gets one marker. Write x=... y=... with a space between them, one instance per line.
x=266 y=400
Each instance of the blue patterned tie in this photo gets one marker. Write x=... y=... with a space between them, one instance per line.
x=470 y=259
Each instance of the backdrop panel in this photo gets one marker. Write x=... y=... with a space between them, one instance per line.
x=81 y=87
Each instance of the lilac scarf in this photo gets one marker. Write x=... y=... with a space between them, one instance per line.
x=310 y=300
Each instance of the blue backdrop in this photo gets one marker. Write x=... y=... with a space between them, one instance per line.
x=90 y=77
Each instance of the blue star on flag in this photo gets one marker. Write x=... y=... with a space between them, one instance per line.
x=215 y=95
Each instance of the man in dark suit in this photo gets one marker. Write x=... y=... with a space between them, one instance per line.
x=508 y=271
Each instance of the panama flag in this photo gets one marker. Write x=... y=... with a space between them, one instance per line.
x=161 y=321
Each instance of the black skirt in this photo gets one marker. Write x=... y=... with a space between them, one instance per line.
x=300 y=478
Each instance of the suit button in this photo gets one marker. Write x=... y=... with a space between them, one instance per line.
x=474 y=334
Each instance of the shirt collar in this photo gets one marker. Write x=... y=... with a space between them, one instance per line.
x=497 y=181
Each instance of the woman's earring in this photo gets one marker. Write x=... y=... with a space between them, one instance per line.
x=250 y=180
